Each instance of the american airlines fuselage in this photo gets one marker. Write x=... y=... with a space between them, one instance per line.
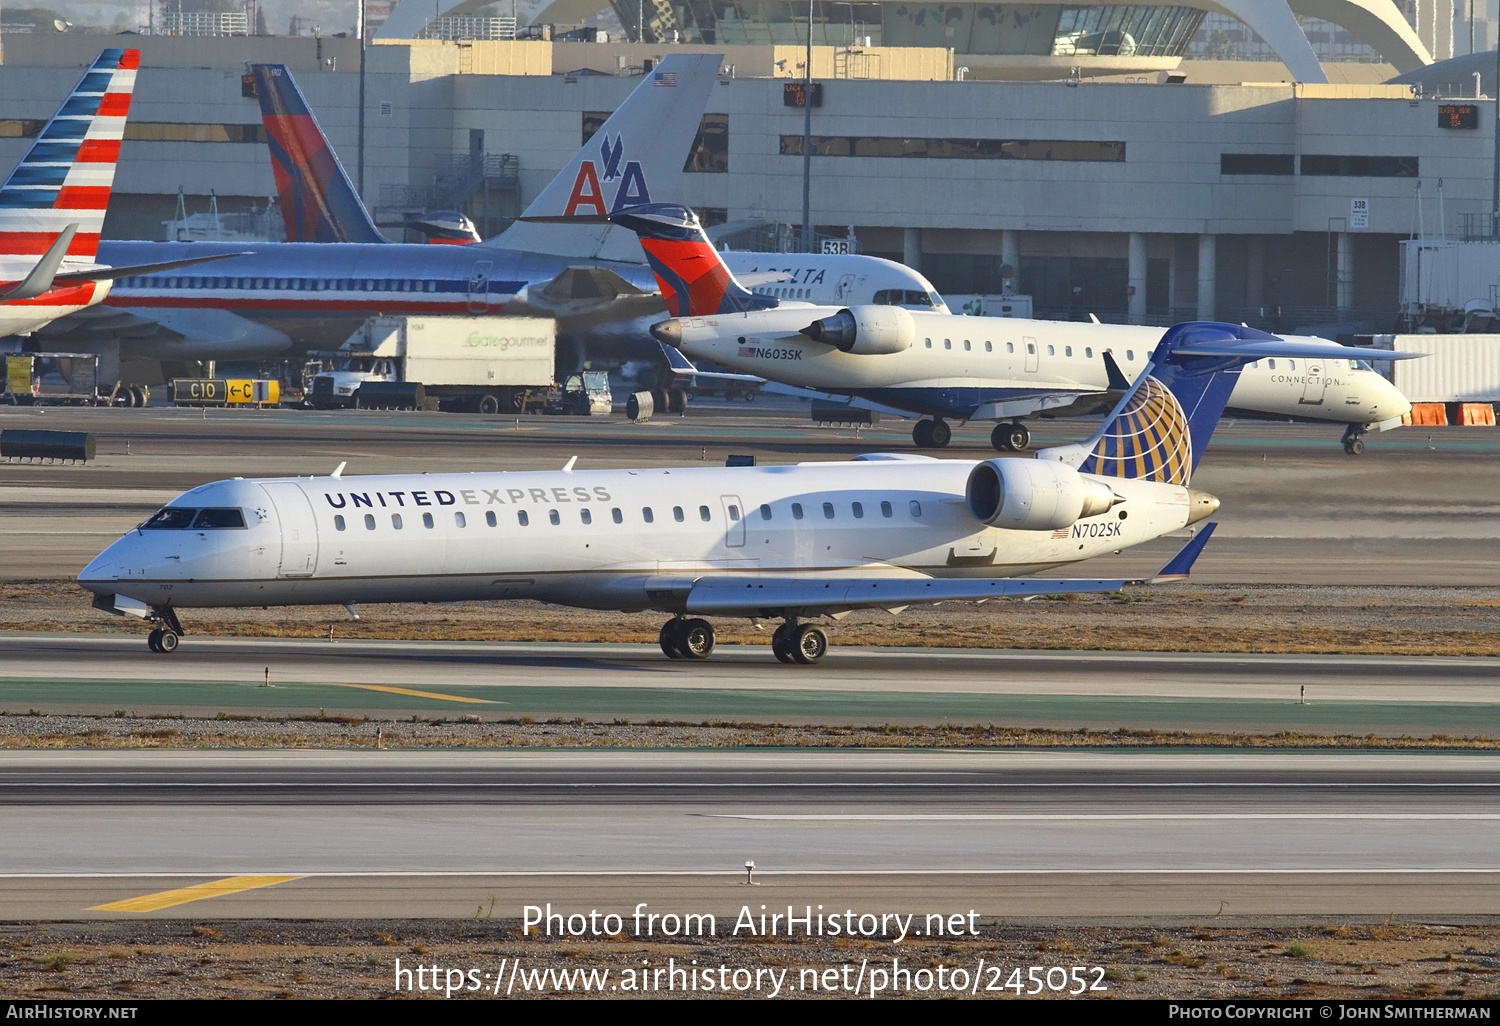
x=315 y=295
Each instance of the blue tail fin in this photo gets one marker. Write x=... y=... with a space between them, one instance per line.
x=1162 y=426
x=318 y=201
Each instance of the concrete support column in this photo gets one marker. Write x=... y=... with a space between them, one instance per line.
x=1207 y=276
x=1345 y=271
x=1255 y=273
x=1010 y=253
x=1136 y=280
x=911 y=248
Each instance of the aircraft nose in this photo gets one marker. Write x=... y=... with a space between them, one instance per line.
x=1391 y=403
x=104 y=569
x=1201 y=505
x=669 y=331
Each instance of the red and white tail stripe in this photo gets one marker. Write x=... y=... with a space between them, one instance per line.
x=66 y=176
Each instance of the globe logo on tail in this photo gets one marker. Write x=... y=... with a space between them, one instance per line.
x=1149 y=439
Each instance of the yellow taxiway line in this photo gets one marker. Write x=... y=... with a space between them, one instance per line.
x=197 y=892
x=419 y=694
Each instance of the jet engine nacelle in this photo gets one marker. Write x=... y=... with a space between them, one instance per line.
x=1034 y=495
x=865 y=330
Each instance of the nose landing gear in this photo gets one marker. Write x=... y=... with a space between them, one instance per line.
x=1353 y=438
x=168 y=632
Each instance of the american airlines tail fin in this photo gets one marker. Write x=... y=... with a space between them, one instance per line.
x=1162 y=425
x=66 y=176
x=639 y=152
x=318 y=201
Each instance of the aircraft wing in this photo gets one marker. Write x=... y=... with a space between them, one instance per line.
x=102 y=273
x=753 y=595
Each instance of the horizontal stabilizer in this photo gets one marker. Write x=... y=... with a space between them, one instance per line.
x=681 y=366
x=1181 y=564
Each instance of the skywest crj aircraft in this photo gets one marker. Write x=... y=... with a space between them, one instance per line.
x=317 y=292
x=52 y=205
x=789 y=542
x=942 y=365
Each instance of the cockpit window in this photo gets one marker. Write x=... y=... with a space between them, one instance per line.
x=212 y=518
x=173 y=518
x=903 y=297
x=1360 y=365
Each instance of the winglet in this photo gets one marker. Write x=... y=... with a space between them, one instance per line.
x=1118 y=382
x=338 y=471
x=39 y=281
x=1182 y=564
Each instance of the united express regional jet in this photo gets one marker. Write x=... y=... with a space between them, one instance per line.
x=790 y=542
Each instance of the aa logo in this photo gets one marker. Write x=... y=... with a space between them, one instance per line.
x=587 y=193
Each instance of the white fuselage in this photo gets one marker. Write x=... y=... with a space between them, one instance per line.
x=990 y=368
x=615 y=539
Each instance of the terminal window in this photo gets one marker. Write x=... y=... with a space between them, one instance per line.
x=1351 y=166
x=1256 y=164
x=956 y=149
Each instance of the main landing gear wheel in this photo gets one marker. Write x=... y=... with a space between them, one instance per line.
x=781 y=643
x=931 y=434
x=489 y=404
x=677 y=400
x=1013 y=437
x=163 y=641
x=809 y=644
x=687 y=639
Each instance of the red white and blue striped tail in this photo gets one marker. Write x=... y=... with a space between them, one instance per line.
x=66 y=176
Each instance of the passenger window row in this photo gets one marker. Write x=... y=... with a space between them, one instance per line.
x=616 y=515
x=1010 y=347
x=281 y=284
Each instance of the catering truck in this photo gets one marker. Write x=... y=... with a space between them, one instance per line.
x=476 y=364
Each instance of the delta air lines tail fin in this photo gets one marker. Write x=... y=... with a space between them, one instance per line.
x=318 y=201
x=1162 y=425
x=639 y=152
x=67 y=174
x=693 y=277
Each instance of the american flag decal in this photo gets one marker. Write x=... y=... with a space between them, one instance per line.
x=1061 y=532
x=666 y=78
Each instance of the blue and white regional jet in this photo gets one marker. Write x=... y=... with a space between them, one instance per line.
x=792 y=543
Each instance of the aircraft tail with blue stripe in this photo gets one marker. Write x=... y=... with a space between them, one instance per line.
x=67 y=174
x=318 y=201
x=1162 y=425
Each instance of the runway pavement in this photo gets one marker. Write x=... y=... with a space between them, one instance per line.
x=386 y=834
x=61 y=673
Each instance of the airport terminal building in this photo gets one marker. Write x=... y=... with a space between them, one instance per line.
x=1137 y=188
